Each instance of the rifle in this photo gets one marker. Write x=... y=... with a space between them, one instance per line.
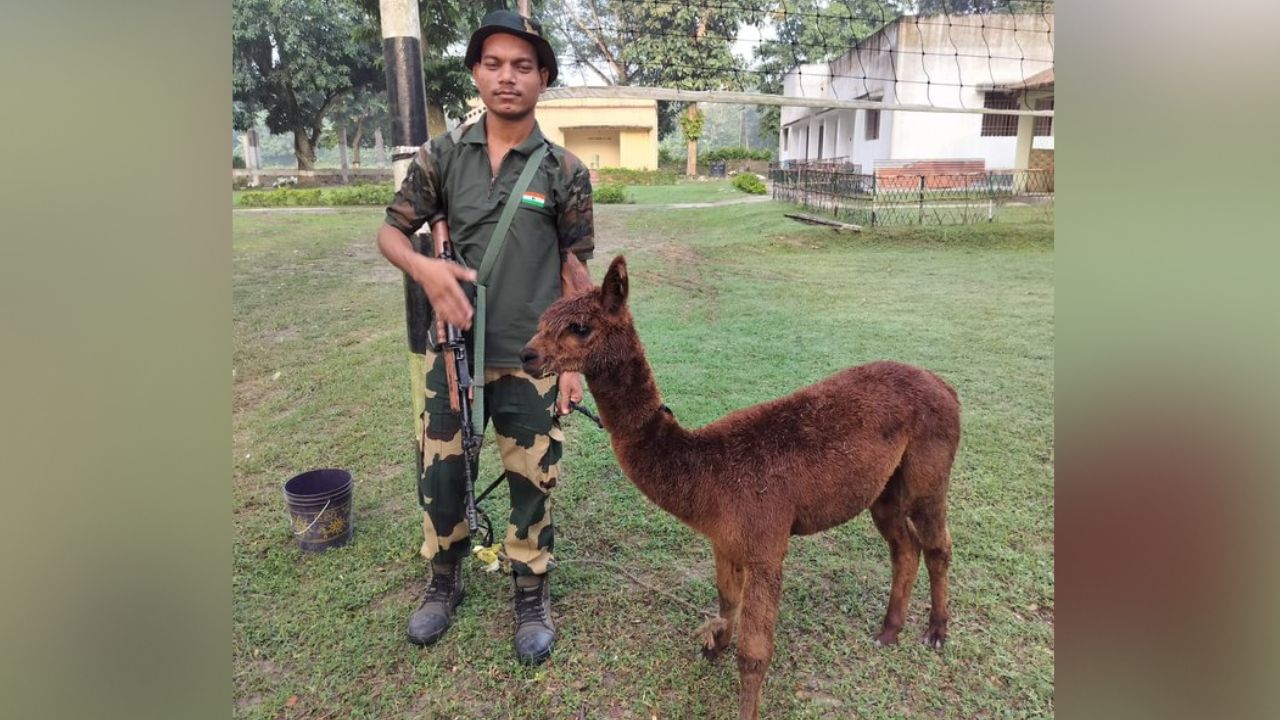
x=454 y=345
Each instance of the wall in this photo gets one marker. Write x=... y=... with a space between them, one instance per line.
x=632 y=125
x=964 y=54
x=597 y=147
x=988 y=50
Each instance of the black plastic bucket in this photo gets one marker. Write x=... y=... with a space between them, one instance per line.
x=319 y=504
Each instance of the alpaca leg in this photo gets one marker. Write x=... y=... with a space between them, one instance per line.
x=930 y=520
x=904 y=551
x=755 y=642
x=729 y=583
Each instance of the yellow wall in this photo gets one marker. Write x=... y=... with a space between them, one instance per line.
x=582 y=125
x=623 y=133
x=597 y=147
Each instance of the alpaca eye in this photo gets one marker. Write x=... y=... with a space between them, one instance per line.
x=579 y=330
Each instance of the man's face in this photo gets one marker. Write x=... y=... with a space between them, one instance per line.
x=508 y=76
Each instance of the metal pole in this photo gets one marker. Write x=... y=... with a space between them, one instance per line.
x=407 y=103
x=921 y=199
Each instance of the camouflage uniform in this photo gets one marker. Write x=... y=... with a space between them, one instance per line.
x=451 y=178
x=530 y=443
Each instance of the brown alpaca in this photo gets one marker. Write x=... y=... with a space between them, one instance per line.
x=881 y=435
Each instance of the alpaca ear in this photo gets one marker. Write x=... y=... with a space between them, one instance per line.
x=613 y=291
x=573 y=275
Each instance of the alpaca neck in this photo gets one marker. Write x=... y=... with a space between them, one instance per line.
x=627 y=395
x=648 y=440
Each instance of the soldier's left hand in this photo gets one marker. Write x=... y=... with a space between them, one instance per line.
x=570 y=385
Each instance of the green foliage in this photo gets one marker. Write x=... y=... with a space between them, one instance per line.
x=237 y=162
x=365 y=194
x=446 y=26
x=688 y=46
x=730 y=125
x=692 y=121
x=969 y=7
x=294 y=59
x=628 y=176
x=380 y=194
x=811 y=31
x=735 y=153
x=611 y=194
x=749 y=183
x=666 y=157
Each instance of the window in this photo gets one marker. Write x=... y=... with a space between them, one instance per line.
x=786 y=138
x=1000 y=125
x=821 y=128
x=873 y=125
x=1044 y=125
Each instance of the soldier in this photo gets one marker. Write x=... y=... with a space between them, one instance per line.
x=465 y=178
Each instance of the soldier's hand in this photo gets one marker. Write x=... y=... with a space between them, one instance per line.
x=570 y=386
x=439 y=279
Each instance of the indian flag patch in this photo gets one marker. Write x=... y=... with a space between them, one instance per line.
x=533 y=199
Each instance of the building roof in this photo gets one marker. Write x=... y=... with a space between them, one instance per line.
x=1042 y=80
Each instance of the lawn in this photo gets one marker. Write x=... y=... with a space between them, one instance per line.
x=735 y=305
x=685 y=191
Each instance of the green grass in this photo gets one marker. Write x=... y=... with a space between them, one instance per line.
x=686 y=191
x=735 y=305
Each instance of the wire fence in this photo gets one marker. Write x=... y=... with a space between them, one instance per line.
x=897 y=196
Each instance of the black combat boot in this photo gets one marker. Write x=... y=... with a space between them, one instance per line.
x=434 y=615
x=534 y=633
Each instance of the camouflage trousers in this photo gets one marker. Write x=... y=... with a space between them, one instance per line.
x=530 y=443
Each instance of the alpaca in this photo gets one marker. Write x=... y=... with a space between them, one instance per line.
x=881 y=436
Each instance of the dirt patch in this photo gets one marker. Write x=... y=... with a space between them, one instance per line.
x=248 y=394
x=374 y=268
x=284 y=334
x=360 y=337
x=256 y=674
x=613 y=236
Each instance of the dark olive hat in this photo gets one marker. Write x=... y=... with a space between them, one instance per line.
x=513 y=23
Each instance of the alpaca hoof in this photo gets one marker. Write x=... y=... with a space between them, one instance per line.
x=934 y=637
x=887 y=638
x=709 y=632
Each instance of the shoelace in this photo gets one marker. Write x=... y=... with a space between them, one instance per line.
x=440 y=588
x=529 y=605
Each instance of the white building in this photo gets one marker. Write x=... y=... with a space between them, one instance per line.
x=969 y=61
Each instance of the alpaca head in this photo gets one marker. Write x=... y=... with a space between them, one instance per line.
x=585 y=332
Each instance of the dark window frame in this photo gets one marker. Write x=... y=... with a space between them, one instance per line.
x=1043 y=126
x=1000 y=125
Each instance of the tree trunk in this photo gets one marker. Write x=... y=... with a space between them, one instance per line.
x=691 y=163
x=436 y=124
x=379 y=149
x=303 y=150
x=355 y=143
x=342 y=152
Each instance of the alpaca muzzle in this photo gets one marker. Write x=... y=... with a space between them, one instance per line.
x=532 y=362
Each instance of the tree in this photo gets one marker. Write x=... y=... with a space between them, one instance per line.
x=446 y=27
x=971 y=7
x=355 y=120
x=589 y=33
x=659 y=44
x=811 y=31
x=296 y=59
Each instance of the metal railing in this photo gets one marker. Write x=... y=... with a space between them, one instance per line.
x=900 y=197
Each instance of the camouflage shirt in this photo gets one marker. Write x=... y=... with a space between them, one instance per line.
x=450 y=178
